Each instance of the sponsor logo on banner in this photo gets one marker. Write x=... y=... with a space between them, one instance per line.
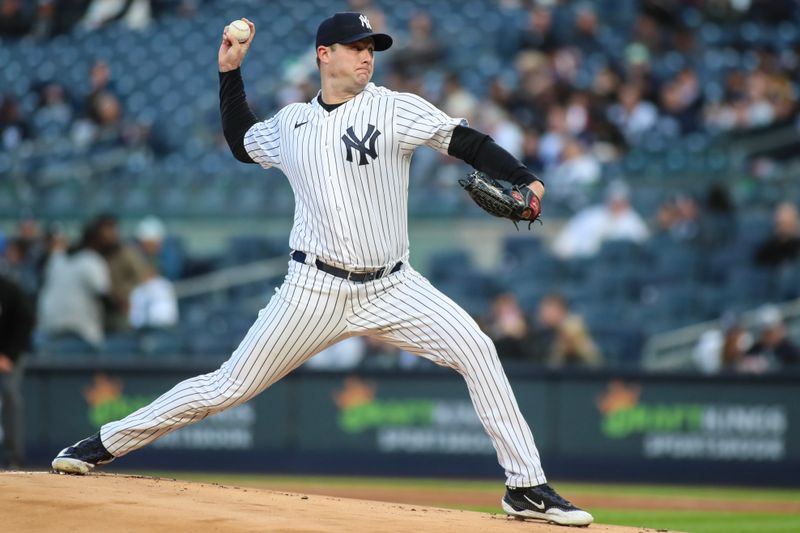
x=418 y=425
x=229 y=430
x=107 y=402
x=694 y=430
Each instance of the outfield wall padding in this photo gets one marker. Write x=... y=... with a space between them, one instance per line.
x=589 y=426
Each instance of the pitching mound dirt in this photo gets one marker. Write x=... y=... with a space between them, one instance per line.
x=39 y=501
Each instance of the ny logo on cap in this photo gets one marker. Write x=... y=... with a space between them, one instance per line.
x=351 y=141
x=365 y=22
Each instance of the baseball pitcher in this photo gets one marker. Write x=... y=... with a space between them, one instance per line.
x=346 y=154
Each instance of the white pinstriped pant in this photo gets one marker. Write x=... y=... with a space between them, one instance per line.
x=313 y=310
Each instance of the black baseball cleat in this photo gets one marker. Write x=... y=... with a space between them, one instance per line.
x=82 y=457
x=543 y=502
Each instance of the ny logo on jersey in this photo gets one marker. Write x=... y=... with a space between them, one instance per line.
x=351 y=141
x=365 y=22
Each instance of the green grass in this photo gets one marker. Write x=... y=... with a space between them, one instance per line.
x=701 y=521
x=724 y=493
x=676 y=520
x=617 y=489
x=688 y=521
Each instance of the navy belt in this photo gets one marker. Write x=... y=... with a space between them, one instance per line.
x=358 y=277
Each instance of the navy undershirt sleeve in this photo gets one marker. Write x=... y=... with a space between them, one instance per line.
x=237 y=117
x=481 y=152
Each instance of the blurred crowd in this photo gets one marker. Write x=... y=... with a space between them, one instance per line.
x=572 y=94
x=576 y=95
x=42 y=19
x=101 y=284
x=95 y=120
x=735 y=347
x=98 y=284
x=555 y=338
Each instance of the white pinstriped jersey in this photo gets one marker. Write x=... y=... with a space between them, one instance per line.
x=349 y=171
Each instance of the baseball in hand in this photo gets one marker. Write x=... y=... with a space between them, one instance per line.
x=239 y=30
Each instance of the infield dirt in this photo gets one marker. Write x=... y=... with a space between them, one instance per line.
x=40 y=501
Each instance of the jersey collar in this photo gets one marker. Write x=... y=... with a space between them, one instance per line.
x=368 y=90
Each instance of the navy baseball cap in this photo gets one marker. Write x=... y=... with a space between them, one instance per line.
x=349 y=28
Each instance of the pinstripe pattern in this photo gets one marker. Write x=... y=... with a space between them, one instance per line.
x=351 y=214
x=415 y=316
x=313 y=310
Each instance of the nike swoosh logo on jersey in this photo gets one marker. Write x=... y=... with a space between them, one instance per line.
x=539 y=506
x=298 y=124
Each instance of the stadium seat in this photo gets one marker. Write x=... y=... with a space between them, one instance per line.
x=66 y=347
x=160 y=344
x=120 y=345
x=621 y=347
x=443 y=264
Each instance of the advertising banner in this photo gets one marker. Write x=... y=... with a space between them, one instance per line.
x=691 y=422
x=591 y=425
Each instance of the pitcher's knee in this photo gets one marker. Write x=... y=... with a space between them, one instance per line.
x=476 y=350
x=226 y=392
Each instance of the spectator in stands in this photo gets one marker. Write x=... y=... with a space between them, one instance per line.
x=76 y=291
x=552 y=142
x=584 y=233
x=633 y=115
x=574 y=178
x=421 y=49
x=126 y=266
x=679 y=217
x=564 y=334
x=637 y=70
x=54 y=17
x=535 y=89
x=24 y=255
x=150 y=238
x=539 y=34
x=16 y=327
x=508 y=327
x=100 y=82
x=783 y=246
x=606 y=86
x=723 y=349
x=586 y=33
x=16 y=19
x=773 y=349
x=153 y=303
x=497 y=123
x=578 y=114
x=754 y=100
x=681 y=104
x=735 y=343
x=53 y=117
x=530 y=150
x=457 y=101
x=14 y=128
x=103 y=125
x=53 y=240
x=649 y=27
